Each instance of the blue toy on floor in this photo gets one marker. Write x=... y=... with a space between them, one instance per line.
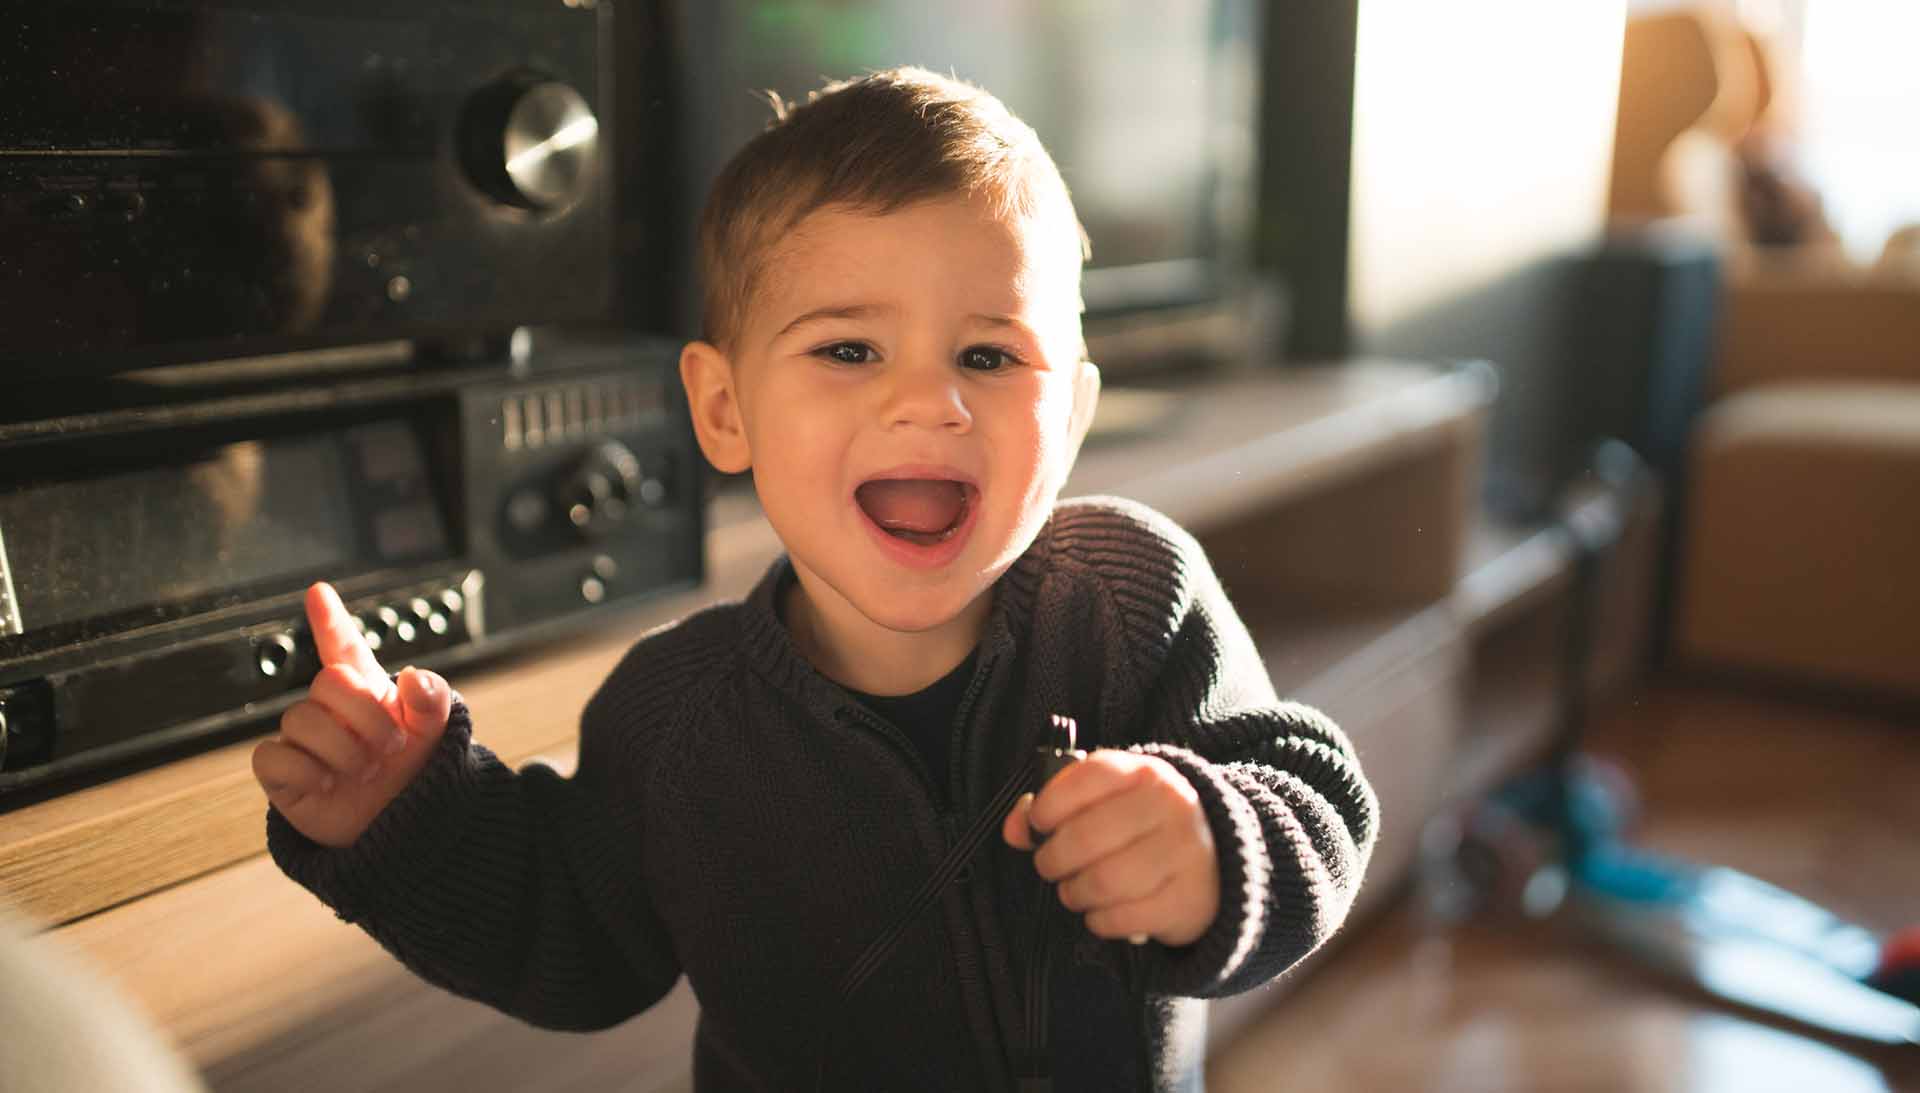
x=1559 y=835
x=1556 y=839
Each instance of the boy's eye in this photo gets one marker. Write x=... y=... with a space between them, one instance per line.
x=985 y=358
x=846 y=353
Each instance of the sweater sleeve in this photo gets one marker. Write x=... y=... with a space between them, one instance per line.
x=516 y=889
x=1291 y=814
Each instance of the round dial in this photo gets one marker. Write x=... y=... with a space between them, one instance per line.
x=531 y=142
x=600 y=489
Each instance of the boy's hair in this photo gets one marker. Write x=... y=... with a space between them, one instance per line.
x=874 y=144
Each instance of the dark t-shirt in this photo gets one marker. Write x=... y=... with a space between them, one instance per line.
x=926 y=717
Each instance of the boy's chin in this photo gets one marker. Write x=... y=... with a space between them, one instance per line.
x=892 y=604
x=921 y=611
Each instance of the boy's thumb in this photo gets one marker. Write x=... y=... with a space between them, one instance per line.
x=425 y=701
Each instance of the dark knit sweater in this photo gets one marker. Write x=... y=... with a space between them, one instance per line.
x=740 y=819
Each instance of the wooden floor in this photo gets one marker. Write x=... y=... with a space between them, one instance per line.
x=1824 y=803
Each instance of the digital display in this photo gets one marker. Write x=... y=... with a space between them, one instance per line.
x=239 y=515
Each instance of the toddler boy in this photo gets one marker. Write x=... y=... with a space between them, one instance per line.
x=892 y=347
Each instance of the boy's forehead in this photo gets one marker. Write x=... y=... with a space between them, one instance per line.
x=982 y=262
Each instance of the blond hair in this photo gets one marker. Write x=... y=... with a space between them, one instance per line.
x=874 y=144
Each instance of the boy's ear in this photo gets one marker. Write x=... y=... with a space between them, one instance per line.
x=1086 y=397
x=707 y=375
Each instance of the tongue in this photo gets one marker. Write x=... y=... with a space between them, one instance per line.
x=912 y=504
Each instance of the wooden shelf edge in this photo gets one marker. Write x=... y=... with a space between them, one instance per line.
x=191 y=832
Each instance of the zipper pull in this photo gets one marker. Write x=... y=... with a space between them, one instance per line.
x=1057 y=754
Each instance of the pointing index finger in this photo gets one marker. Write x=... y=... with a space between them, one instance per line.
x=335 y=636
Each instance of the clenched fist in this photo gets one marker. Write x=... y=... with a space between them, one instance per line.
x=1128 y=844
x=356 y=740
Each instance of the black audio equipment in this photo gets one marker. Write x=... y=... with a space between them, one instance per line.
x=155 y=544
x=184 y=181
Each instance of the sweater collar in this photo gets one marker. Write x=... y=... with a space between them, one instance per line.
x=769 y=649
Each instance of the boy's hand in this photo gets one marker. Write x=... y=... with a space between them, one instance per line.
x=1129 y=845
x=356 y=740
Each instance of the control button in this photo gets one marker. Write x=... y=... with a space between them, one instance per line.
x=590 y=489
x=596 y=407
x=26 y=724
x=591 y=590
x=404 y=631
x=510 y=417
x=576 y=412
x=128 y=207
x=63 y=206
x=370 y=632
x=437 y=623
x=656 y=483
x=526 y=511
x=420 y=607
x=451 y=599
x=531 y=142
x=273 y=654
x=596 y=494
x=534 y=411
x=388 y=624
x=605 y=568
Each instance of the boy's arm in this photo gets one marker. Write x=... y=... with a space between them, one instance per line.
x=1293 y=822
x=1292 y=816
x=519 y=890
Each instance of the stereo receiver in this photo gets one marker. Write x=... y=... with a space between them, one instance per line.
x=190 y=180
x=153 y=554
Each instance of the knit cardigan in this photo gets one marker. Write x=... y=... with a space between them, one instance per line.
x=738 y=818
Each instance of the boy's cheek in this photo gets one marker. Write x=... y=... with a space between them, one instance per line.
x=1055 y=401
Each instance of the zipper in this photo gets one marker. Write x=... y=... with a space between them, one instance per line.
x=900 y=744
x=956 y=757
x=958 y=762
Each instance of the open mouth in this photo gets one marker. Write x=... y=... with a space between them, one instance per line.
x=922 y=511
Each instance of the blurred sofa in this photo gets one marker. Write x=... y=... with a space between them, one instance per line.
x=1799 y=555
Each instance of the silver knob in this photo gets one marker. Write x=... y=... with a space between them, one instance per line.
x=597 y=493
x=374 y=632
x=273 y=654
x=393 y=625
x=531 y=142
x=552 y=142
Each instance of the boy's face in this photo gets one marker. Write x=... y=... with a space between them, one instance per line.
x=934 y=349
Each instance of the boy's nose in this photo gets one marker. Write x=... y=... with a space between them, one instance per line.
x=927 y=397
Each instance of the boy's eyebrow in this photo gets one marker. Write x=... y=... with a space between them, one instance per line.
x=838 y=311
x=862 y=311
x=1002 y=320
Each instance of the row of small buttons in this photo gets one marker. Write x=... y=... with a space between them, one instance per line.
x=279 y=653
x=388 y=625
x=572 y=411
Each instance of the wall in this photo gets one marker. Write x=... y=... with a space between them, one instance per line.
x=1483 y=134
x=1482 y=145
